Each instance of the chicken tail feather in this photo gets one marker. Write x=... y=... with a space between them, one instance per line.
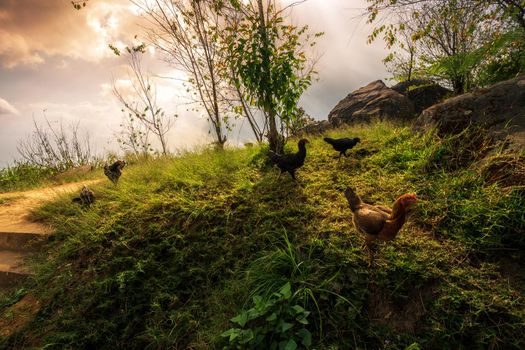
x=274 y=157
x=329 y=140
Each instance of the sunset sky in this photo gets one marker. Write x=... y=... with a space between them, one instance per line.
x=55 y=62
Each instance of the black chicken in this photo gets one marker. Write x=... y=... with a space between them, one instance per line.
x=87 y=197
x=342 y=145
x=114 y=170
x=290 y=162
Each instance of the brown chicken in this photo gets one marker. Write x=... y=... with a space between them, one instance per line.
x=378 y=222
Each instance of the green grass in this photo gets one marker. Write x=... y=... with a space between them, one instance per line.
x=181 y=246
x=22 y=177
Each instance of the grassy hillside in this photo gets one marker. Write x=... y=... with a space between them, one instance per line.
x=181 y=246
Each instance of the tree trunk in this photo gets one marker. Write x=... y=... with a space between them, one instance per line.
x=275 y=141
x=253 y=124
x=410 y=65
x=273 y=133
x=221 y=140
x=458 y=85
x=163 y=143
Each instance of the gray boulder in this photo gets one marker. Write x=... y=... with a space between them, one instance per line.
x=426 y=96
x=403 y=86
x=422 y=92
x=374 y=101
x=500 y=108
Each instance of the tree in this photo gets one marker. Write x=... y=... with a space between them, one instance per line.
x=402 y=62
x=187 y=32
x=444 y=33
x=143 y=103
x=268 y=61
x=133 y=136
x=514 y=9
x=299 y=122
x=254 y=116
x=452 y=39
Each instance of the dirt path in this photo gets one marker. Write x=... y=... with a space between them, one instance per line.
x=15 y=207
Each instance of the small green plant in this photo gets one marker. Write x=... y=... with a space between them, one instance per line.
x=272 y=323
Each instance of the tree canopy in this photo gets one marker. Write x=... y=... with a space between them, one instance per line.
x=460 y=43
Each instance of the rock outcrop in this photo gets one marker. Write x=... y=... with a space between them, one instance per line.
x=500 y=108
x=426 y=96
x=374 y=101
x=423 y=93
x=404 y=86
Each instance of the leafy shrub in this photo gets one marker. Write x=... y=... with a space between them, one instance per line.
x=272 y=323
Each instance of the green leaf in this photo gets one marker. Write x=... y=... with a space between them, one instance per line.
x=290 y=345
x=232 y=333
x=302 y=320
x=254 y=313
x=285 y=326
x=286 y=290
x=298 y=309
x=272 y=317
x=247 y=336
x=413 y=346
x=240 y=319
x=306 y=337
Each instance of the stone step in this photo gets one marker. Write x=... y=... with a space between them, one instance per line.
x=22 y=241
x=12 y=268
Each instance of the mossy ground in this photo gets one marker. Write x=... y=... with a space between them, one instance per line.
x=167 y=257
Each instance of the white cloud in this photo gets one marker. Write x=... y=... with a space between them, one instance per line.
x=124 y=86
x=7 y=108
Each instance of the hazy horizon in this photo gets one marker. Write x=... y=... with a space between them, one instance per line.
x=55 y=62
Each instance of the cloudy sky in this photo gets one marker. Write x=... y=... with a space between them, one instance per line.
x=55 y=63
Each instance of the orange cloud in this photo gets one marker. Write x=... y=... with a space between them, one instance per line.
x=31 y=30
